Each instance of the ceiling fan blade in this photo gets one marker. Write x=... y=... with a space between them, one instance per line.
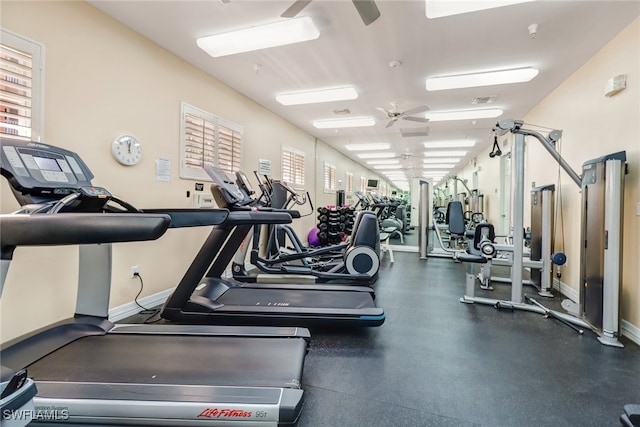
x=417 y=119
x=391 y=123
x=368 y=10
x=386 y=113
x=295 y=8
x=417 y=110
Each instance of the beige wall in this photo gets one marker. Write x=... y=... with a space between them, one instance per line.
x=593 y=125
x=103 y=80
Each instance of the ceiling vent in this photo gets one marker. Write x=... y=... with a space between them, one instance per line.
x=344 y=112
x=417 y=131
x=484 y=100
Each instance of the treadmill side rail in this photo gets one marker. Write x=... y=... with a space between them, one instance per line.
x=169 y=405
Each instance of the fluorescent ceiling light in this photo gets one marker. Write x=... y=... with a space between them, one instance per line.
x=368 y=147
x=440 y=8
x=387 y=167
x=376 y=155
x=317 y=96
x=442 y=160
x=448 y=153
x=454 y=143
x=441 y=116
x=440 y=165
x=489 y=78
x=383 y=162
x=280 y=33
x=344 y=123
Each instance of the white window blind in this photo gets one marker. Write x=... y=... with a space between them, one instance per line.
x=363 y=184
x=293 y=167
x=349 y=182
x=21 y=92
x=208 y=140
x=329 y=177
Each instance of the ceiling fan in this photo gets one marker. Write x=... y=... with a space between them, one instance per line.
x=394 y=114
x=366 y=8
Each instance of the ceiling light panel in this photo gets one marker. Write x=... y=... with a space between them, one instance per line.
x=381 y=167
x=383 y=162
x=441 y=8
x=441 y=116
x=436 y=160
x=317 y=96
x=447 y=153
x=488 y=78
x=280 y=33
x=377 y=155
x=453 y=143
x=439 y=166
x=344 y=123
x=368 y=147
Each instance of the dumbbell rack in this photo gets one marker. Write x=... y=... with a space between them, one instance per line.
x=334 y=224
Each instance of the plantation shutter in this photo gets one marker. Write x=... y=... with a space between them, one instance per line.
x=21 y=71
x=208 y=140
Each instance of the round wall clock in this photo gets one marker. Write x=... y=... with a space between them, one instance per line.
x=127 y=150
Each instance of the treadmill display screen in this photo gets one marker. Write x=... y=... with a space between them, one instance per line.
x=47 y=164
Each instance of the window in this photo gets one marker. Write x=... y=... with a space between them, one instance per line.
x=293 y=167
x=206 y=139
x=21 y=87
x=363 y=183
x=349 y=182
x=329 y=177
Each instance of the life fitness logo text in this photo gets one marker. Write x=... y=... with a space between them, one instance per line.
x=224 y=413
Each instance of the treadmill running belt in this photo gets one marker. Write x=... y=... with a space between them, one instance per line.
x=248 y=296
x=188 y=360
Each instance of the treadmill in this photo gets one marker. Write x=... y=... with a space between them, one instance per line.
x=204 y=296
x=89 y=371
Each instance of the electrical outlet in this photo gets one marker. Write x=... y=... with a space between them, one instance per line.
x=134 y=270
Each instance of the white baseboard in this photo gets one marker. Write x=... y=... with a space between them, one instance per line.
x=131 y=308
x=630 y=331
x=566 y=290
x=627 y=329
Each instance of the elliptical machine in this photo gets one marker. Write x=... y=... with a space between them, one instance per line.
x=356 y=261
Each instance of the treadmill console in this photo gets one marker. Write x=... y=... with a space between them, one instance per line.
x=39 y=172
x=244 y=183
x=225 y=190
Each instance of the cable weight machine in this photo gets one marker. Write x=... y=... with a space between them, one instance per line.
x=602 y=186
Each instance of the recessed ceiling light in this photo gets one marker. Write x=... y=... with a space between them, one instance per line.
x=440 y=8
x=367 y=147
x=442 y=160
x=440 y=165
x=317 y=96
x=448 y=153
x=280 y=33
x=345 y=123
x=489 y=78
x=383 y=162
x=381 y=167
x=441 y=116
x=453 y=143
x=376 y=155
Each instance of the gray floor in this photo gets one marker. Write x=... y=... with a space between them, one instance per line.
x=438 y=362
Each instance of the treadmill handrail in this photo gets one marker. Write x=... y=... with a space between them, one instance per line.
x=192 y=217
x=256 y=217
x=78 y=229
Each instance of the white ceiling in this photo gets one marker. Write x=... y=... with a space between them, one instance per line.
x=350 y=53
